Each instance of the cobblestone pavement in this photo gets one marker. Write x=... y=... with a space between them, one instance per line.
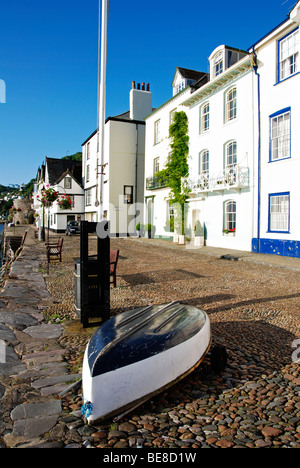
x=253 y=305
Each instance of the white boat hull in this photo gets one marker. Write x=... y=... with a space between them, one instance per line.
x=113 y=392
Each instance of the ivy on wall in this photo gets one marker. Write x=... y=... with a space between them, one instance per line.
x=177 y=166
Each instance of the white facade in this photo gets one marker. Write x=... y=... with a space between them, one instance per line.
x=243 y=147
x=278 y=193
x=59 y=218
x=59 y=175
x=123 y=170
x=221 y=174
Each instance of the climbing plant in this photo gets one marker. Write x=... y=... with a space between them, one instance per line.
x=176 y=166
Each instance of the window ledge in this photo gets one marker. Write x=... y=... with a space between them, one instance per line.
x=285 y=79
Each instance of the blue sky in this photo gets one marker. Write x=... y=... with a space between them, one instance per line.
x=49 y=59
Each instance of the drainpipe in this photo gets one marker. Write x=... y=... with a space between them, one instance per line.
x=255 y=67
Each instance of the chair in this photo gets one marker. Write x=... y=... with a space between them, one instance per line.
x=114 y=255
x=55 y=250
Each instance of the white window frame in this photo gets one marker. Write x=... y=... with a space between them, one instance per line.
x=203 y=168
x=88 y=197
x=157 y=132
x=231 y=104
x=279 y=212
x=204 y=117
x=68 y=183
x=218 y=67
x=280 y=135
x=172 y=114
x=230 y=215
x=288 y=55
x=155 y=165
x=231 y=155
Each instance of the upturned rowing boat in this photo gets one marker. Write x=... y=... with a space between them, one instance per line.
x=137 y=354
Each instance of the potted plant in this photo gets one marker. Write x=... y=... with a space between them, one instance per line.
x=199 y=234
x=229 y=232
x=148 y=228
x=139 y=229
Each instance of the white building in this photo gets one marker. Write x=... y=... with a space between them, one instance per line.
x=157 y=208
x=64 y=177
x=243 y=146
x=278 y=160
x=123 y=170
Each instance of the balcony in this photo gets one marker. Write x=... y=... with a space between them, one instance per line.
x=154 y=183
x=233 y=178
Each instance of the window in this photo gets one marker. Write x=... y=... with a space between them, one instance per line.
x=88 y=197
x=170 y=217
x=156 y=132
x=67 y=183
x=128 y=194
x=231 y=155
x=87 y=173
x=231 y=102
x=218 y=64
x=155 y=165
x=204 y=162
x=172 y=114
x=279 y=212
x=230 y=216
x=88 y=151
x=204 y=125
x=288 y=55
x=280 y=135
x=180 y=87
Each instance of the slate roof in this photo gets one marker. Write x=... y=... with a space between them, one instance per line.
x=191 y=74
x=57 y=167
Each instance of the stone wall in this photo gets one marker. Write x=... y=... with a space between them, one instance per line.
x=24 y=214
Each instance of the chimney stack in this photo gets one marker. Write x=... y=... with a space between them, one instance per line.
x=140 y=101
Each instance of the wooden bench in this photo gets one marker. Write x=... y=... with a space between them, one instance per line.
x=114 y=255
x=55 y=250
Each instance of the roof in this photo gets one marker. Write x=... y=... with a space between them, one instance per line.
x=75 y=172
x=189 y=74
x=57 y=167
x=124 y=117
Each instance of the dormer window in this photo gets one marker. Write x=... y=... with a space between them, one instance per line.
x=218 y=64
x=180 y=87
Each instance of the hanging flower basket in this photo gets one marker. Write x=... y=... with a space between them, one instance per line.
x=65 y=203
x=48 y=197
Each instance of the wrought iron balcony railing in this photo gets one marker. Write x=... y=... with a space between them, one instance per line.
x=153 y=183
x=232 y=178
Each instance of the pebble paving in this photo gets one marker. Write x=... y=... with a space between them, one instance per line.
x=254 y=311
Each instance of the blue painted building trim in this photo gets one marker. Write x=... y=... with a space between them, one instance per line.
x=269 y=211
x=286 y=248
x=278 y=57
x=276 y=114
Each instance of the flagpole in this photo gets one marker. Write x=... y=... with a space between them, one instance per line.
x=102 y=93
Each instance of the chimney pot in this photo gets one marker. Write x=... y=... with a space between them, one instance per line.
x=133 y=85
x=143 y=86
x=148 y=86
x=138 y=86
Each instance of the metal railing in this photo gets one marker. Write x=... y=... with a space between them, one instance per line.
x=231 y=178
x=153 y=183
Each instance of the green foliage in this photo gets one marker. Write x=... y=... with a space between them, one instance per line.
x=199 y=229
x=74 y=157
x=177 y=162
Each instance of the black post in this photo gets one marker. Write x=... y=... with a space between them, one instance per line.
x=94 y=277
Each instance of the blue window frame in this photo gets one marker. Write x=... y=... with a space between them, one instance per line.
x=280 y=135
x=279 y=212
x=288 y=56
